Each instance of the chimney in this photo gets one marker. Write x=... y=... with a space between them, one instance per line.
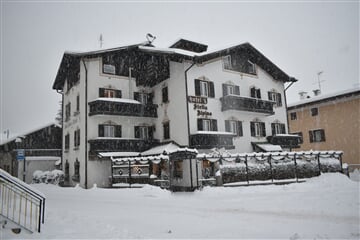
x=317 y=92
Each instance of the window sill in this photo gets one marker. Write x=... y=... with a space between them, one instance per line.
x=76 y=148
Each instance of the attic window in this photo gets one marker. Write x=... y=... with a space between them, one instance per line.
x=251 y=67
x=227 y=62
x=108 y=68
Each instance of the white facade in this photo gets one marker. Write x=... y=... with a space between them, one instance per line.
x=179 y=112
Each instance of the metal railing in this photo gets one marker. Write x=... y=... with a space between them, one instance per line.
x=20 y=203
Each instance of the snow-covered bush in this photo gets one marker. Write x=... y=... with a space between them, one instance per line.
x=53 y=177
x=280 y=168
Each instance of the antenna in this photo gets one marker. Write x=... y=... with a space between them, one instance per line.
x=101 y=40
x=320 y=81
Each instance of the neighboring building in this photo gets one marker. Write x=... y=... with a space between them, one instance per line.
x=130 y=99
x=41 y=150
x=329 y=122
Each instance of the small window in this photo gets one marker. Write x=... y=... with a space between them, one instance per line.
x=255 y=92
x=234 y=127
x=67 y=112
x=144 y=132
x=275 y=97
x=166 y=128
x=293 y=116
x=109 y=69
x=314 y=111
x=165 y=96
x=278 y=128
x=110 y=131
x=257 y=129
x=204 y=88
x=67 y=141
x=317 y=135
x=178 y=169
x=77 y=103
x=227 y=62
x=77 y=138
x=251 y=67
x=207 y=124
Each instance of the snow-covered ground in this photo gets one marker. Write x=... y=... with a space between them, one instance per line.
x=321 y=208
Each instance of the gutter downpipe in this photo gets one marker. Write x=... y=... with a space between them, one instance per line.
x=62 y=124
x=287 y=115
x=188 y=118
x=86 y=114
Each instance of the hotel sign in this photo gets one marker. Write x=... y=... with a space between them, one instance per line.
x=198 y=100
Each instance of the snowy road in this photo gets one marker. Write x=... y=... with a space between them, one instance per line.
x=323 y=207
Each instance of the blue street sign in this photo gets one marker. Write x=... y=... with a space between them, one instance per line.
x=20 y=154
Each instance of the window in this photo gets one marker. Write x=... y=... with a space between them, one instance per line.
x=251 y=67
x=144 y=98
x=317 y=135
x=255 y=92
x=166 y=129
x=109 y=130
x=165 y=96
x=207 y=124
x=204 y=88
x=67 y=171
x=293 y=116
x=76 y=177
x=144 y=132
x=257 y=129
x=278 y=128
x=77 y=103
x=77 y=138
x=67 y=112
x=234 y=127
x=275 y=97
x=178 y=169
x=109 y=69
x=229 y=89
x=314 y=111
x=67 y=141
x=109 y=93
x=227 y=62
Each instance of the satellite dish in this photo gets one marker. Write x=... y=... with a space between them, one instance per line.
x=150 y=37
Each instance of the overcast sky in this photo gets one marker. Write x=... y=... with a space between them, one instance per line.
x=301 y=38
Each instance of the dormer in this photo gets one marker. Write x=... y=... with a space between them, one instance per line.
x=189 y=46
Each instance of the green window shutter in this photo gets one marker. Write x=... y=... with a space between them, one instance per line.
x=214 y=125
x=211 y=89
x=283 y=130
x=118 y=131
x=279 y=102
x=252 y=129
x=137 y=131
x=263 y=129
x=136 y=96
x=118 y=94
x=197 y=87
x=101 y=92
x=101 y=130
x=273 y=129
x=199 y=124
x=237 y=90
x=227 y=126
x=239 y=129
x=311 y=136
x=224 y=87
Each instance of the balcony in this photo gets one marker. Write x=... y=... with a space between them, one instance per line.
x=122 y=107
x=104 y=144
x=233 y=102
x=208 y=140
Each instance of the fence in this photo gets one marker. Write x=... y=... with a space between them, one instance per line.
x=275 y=166
x=20 y=203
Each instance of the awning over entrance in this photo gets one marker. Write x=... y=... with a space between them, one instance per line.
x=267 y=147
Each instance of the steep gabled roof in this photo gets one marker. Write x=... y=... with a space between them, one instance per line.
x=179 y=51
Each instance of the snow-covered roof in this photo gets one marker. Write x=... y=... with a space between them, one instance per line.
x=123 y=100
x=270 y=147
x=118 y=154
x=161 y=149
x=42 y=158
x=324 y=97
x=29 y=132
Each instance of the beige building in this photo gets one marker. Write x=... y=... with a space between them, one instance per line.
x=329 y=122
